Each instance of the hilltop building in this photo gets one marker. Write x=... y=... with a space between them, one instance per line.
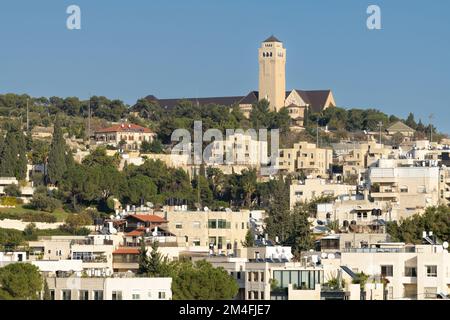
x=271 y=86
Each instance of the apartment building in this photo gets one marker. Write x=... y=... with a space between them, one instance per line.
x=304 y=191
x=353 y=212
x=411 y=188
x=307 y=158
x=110 y=288
x=412 y=271
x=221 y=231
x=356 y=157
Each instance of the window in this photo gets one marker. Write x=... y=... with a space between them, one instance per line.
x=431 y=271
x=161 y=295
x=249 y=295
x=410 y=272
x=243 y=225
x=52 y=294
x=348 y=244
x=238 y=275
x=66 y=295
x=212 y=224
x=262 y=276
x=178 y=225
x=196 y=242
x=404 y=189
x=84 y=295
x=261 y=294
x=249 y=276
x=255 y=275
x=387 y=271
x=98 y=294
x=117 y=295
x=136 y=296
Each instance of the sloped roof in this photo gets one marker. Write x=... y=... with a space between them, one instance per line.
x=147 y=218
x=124 y=127
x=400 y=127
x=272 y=38
x=250 y=98
x=172 y=103
x=315 y=98
x=125 y=250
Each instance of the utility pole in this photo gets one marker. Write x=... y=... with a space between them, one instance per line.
x=89 y=118
x=317 y=134
x=380 y=124
x=431 y=127
x=28 y=122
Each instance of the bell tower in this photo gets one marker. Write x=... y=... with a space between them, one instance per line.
x=272 y=72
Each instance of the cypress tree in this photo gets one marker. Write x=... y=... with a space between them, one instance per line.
x=13 y=157
x=57 y=163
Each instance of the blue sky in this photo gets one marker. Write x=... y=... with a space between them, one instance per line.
x=184 y=48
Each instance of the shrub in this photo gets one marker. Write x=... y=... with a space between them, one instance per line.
x=8 y=201
x=44 y=203
x=12 y=190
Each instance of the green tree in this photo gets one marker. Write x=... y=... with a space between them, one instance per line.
x=157 y=263
x=143 y=258
x=201 y=281
x=46 y=295
x=12 y=190
x=57 y=165
x=140 y=189
x=249 y=239
x=13 y=157
x=20 y=281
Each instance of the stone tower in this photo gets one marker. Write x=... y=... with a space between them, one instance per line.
x=272 y=72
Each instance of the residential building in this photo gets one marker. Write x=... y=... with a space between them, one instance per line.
x=412 y=188
x=309 y=189
x=412 y=271
x=221 y=231
x=131 y=135
x=403 y=129
x=110 y=288
x=307 y=158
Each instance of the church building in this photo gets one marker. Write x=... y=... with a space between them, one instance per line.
x=272 y=87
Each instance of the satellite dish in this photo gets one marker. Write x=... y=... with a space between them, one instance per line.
x=324 y=255
x=331 y=256
x=445 y=245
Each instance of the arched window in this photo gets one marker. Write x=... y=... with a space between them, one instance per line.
x=345 y=223
x=328 y=216
x=271 y=54
x=264 y=54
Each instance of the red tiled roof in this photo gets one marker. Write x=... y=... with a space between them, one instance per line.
x=148 y=218
x=124 y=127
x=126 y=251
x=134 y=233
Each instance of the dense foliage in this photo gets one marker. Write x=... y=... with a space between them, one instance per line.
x=20 y=281
x=435 y=219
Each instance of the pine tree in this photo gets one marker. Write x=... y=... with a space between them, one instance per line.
x=157 y=264
x=57 y=163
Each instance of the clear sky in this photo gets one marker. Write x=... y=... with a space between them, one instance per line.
x=185 y=48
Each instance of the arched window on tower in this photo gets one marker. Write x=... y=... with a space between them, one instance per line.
x=271 y=54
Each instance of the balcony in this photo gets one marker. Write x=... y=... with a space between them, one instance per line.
x=385 y=195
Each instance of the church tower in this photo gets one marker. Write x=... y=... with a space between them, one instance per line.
x=272 y=72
